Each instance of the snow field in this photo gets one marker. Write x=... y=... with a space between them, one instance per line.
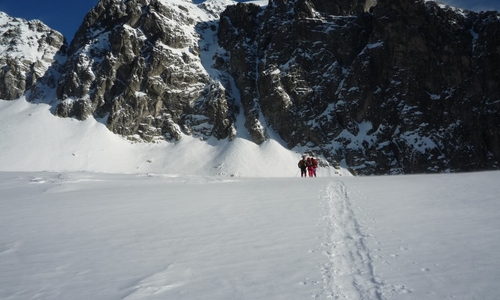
x=81 y=235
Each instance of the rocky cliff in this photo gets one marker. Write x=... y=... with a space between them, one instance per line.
x=137 y=63
x=383 y=87
x=389 y=87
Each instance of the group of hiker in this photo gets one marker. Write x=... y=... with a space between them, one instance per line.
x=308 y=165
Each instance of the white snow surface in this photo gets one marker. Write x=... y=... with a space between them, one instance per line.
x=85 y=214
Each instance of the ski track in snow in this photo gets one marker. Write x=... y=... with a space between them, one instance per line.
x=348 y=274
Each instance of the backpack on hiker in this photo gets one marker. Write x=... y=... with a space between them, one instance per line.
x=302 y=164
x=314 y=163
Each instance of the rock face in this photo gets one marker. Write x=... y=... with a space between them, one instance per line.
x=383 y=87
x=138 y=64
x=30 y=53
x=389 y=87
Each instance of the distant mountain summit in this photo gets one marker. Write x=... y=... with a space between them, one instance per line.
x=30 y=53
x=383 y=87
x=139 y=64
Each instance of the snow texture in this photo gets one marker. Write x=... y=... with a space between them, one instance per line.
x=83 y=235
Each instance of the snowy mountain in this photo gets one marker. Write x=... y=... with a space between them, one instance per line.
x=381 y=87
x=229 y=99
x=30 y=53
x=34 y=140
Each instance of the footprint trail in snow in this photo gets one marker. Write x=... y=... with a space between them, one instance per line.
x=349 y=271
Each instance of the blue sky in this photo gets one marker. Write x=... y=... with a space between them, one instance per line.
x=61 y=15
x=66 y=16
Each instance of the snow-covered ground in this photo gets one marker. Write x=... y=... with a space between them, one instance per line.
x=85 y=214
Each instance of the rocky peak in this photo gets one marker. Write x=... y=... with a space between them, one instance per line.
x=138 y=64
x=28 y=51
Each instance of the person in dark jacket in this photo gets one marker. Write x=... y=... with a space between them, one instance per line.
x=303 y=166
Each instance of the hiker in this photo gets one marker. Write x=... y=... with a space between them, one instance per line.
x=309 y=167
x=314 y=164
x=303 y=166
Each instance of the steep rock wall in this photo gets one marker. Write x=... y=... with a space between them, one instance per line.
x=389 y=87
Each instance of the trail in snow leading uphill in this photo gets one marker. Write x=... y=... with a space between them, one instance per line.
x=349 y=271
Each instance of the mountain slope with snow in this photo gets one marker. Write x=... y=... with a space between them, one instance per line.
x=390 y=87
x=88 y=214
x=34 y=140
x=382 y=87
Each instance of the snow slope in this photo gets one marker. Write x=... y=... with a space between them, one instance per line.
x=34 y=140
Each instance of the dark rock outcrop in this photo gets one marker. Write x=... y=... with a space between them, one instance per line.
x=389 y=87
x=134 y=63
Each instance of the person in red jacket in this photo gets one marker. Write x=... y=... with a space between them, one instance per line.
x=314 y=163
x=310 y=169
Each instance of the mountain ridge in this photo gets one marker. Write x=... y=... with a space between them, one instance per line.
x=382 y=87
